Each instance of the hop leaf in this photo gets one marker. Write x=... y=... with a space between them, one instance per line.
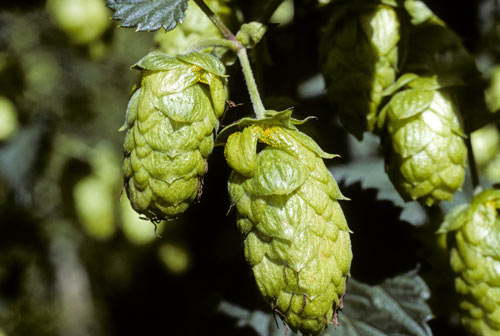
x=296 y=237
x=359 y=56
x=148 y=15
x=474 y=256
x=424 y=148
x=171 y=120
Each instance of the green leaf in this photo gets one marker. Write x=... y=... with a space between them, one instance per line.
x=149 y=15
x=369 y=170
x=395 y=307
x=263 y=323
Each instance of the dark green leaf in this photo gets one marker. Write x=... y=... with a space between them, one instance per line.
x=369 y=170
x=149 y=15
x=395 y=307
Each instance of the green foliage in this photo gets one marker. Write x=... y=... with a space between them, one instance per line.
x=149 y=15
x=77 y=259
x=396 y=307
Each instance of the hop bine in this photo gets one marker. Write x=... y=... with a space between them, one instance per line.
x=171 y=119
x=296 y=237
x=359 y=59
x=423 y=140
x=473 y=232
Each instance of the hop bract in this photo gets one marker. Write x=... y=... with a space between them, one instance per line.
x=423 y=141
x=171 y=119
x=296 y=237
x=359 y=56
x=475 y=257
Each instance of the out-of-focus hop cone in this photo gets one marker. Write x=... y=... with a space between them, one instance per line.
x=359 y=59
x=84 y=21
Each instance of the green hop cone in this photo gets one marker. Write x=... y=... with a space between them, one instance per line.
x=296 y=237
x=423 y=141
x=171 y=119
x=359 y=58
x=474 y=242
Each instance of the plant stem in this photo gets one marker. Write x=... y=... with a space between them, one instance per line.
x=241 y=52
x=251 y=85
x=228 y=35
x=472 y=164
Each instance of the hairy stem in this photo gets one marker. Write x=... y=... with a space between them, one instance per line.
x=472 y=164
x=251 y=84
x=216 y=20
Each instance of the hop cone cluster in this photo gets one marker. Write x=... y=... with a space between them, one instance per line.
x=171 y=119
x=359 y=57
x=474 y=230
x=423 y=141
x=195 y=28
x=296 y=237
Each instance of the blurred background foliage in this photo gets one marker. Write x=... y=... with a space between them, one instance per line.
x=75 y=259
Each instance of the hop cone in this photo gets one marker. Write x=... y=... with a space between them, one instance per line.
x=195 y=28
x=359 y=57
x=171 y=120
x=474 y=230
x=296 y=237
x=424 y=148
